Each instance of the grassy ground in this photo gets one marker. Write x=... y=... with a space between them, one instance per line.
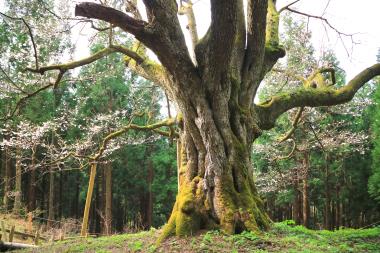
x=282 y=238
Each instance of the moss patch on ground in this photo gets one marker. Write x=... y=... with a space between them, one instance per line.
x=281 y=238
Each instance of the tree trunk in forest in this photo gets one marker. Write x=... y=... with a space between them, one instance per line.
x=149 y=194
x=337 y=208
x=75 y=201
x=305 y=198
x=32 y=182
x=51 y=214
x=296 y=203
x=327 y=216
x=108 y=198
x=97 y=210
x=7 y=178
x=62 y=178
x=18 y=176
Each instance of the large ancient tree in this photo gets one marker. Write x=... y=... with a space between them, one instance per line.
x=213 y=85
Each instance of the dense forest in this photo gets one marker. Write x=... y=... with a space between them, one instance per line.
x=104 y=144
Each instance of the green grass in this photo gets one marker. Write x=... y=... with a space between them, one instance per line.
x=281 y=238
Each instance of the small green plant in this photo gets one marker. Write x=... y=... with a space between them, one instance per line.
x=207 y=238
x=289 y=222
x=136 y=246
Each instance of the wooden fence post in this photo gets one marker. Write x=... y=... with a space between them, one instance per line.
x=37 y=237
x=4 y=231
x=30 y=222
x=11 y=233
x=88 y=199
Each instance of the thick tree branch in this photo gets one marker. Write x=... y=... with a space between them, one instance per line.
x=63 y=68
x=168 y=41
x=225 y=26
x=273 y=49
x=163 y=34
x=154 y=127
x=255 y=51
x=113 y=16
x=325 y=96
x=98 y=55
x=319 y=71
x=187 y=9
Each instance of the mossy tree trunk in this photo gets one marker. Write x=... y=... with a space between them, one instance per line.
x=214 y=91
x=216 y=189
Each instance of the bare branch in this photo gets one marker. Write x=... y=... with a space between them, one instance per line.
x=288 y=5
x=290 y=74
x=325 y=20
x=30 y=35
x=23 y=99
x=288 y=156
x=294 y=126
x=155 y=127
x=12 y=82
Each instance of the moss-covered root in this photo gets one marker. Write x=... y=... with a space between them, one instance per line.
x=236 y=211
x=243 y=211
x=187 y=212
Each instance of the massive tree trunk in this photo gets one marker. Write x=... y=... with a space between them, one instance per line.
x=216 y=176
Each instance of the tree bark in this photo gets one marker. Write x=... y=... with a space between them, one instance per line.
x=108 y=198
x=327 y=195
x=216 y=180
x=51 y=213
x=149 y=194
x=18 y=176
x=7 y=178
x=338 y=211
x=296 y=203
x=305 y=188
x=32 y=182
